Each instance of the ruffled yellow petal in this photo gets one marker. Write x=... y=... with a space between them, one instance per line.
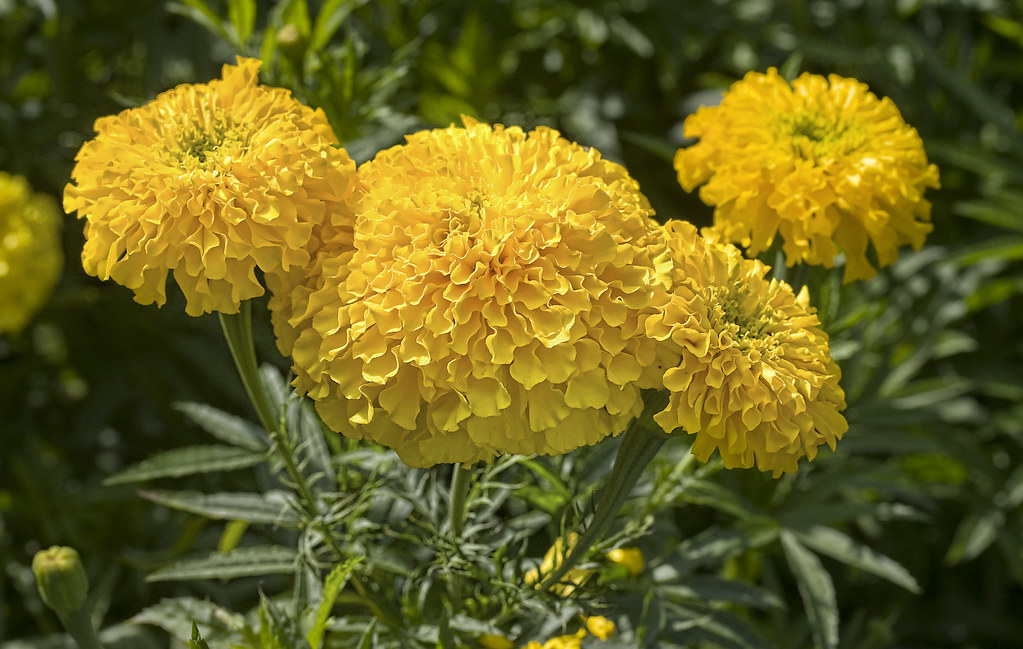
x=210 y=182
x=30 y=253
x=754 y=379
x=486 y=302
x=822 y=163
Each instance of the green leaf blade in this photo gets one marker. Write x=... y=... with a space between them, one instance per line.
x=187 y=461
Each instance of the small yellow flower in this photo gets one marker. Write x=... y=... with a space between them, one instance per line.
x=631 y=558
x=552 y=559
x=561 y=642
x=493 y=641
x=487 y=303
x=30 y=253
x=600 y=626
x=754 y=378
x=823 y=163
x=209 y=182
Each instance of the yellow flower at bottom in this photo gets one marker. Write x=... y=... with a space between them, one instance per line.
x=208 y=182
x=823 y=163
x=755 y=378
x=600 y=626
x=552 y=559
x=492 y=641
x=30 y=252
x=561 y=642
x=489 y=301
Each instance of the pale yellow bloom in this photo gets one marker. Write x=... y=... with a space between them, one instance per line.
x=30 y=252
x=488 y=301
x=823 y=163
x=754 y=379
x=561 y=642
x=631 y=558
x=600 y=626
x=209 y=182
x=553 y=558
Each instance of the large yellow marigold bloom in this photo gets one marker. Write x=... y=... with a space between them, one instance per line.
x=755 y=378
x=210 y=182
x=30 y=252
x=822 y=162
x=488 y=301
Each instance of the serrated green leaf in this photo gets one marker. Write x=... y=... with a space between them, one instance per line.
x=241 y=562
x=174 y=615
x=196 y=641
x=332 y=15
x=816 y=590
x=704 y=492
x=697 y=626
x=838 y=545
x=242 y=14
x=332 y=587
x=271 y=508
x=187 y=461
x=226 y=427
x=202 y=14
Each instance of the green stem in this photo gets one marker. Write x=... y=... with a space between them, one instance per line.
x=79 y=627
x=639 y=446
x=459 y=493
x=238 y=332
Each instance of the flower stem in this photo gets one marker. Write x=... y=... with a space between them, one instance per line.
x=79 y=627
x=238 y=332
x=459 y=493
x=640 y=444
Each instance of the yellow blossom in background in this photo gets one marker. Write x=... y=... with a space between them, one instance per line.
x=631 y=558
x=561 y=642
x=823 y=163
x=755 y=378
x=31 y=257
x=208 y=182
x=493 y=641
x=552 y=559
x=489 y=300
x=600 y=626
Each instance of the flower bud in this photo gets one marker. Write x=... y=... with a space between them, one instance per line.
x=61 y=579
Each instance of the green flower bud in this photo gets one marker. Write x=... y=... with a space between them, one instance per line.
x=61 y=579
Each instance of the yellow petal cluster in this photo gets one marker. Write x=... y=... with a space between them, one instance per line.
x=823 y=163
x=553 y=558
x=755 y=379
x=208 y=182
x=488 y=301
x=30 y=252
x=631 y=558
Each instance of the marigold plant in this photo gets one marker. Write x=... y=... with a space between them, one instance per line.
x=208 y=182
x=755 y=379
x=823 y=163
x=488 y=303
x=30 y=254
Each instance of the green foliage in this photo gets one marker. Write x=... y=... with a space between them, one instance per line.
x=108 y=408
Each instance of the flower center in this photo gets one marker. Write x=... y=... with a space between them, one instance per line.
x=744 y=316
x=815 y=135
x=201 y=145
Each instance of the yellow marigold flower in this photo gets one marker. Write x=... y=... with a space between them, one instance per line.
x=489 y=302
x=552 y=559
x=755 y=378
x=30 y=252
x=210 y=182
x=600 y=626
x=631 y=558
x=823 y=162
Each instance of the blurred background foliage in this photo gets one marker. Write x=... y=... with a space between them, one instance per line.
x=930 y=472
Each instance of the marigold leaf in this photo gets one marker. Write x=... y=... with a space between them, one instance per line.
x=974 y=535
x=187 y=461
x=714 y=589
x=838 y=545
x=816 y=589
x=271 y=507
x=332 y=587
x=226 y=427
x=174 y=615
x=242 y=562
x=242 y=14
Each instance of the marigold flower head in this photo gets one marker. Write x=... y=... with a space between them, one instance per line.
x=488 y=302
x=209 y=182
x=822 y=162
x=755 y=378
x=30 y=252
